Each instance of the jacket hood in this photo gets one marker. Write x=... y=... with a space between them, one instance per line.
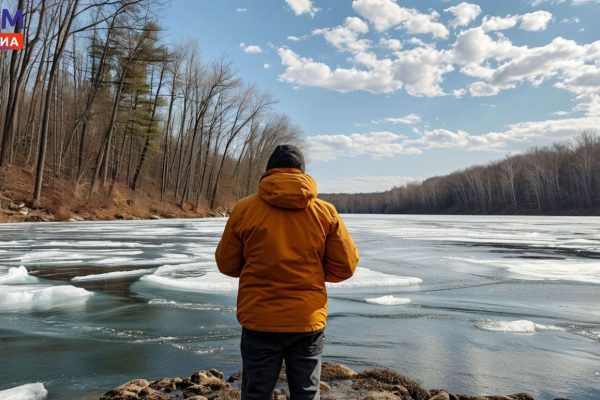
x=287 y=188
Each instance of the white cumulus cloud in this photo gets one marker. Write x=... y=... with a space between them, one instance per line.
x=251 y=49
x=464 y=13
x=386 y=14
x=345 y=37
x=408 y=119
x=373 y=144
x=380 y=144
x=535 y=21
x=536 y=3
x=300 y=7
x=364 y=184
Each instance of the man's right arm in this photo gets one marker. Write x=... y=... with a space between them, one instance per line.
x=341 y=255
x=230 y=251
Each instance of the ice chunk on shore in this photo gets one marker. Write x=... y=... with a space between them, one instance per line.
x=365 y=277
x=519 y=326
x=113 y=275
x=388 y=300
x=31 y=391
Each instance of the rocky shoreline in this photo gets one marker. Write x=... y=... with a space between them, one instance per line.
x=11 y=211
x=338 y=382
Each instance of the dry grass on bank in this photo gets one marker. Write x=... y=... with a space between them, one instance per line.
x=62 y=202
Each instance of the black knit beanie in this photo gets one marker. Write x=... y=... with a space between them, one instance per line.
x=286 y=156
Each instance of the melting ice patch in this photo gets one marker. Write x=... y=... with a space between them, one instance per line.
x=388 y=300
x=20 y=291
x=113 y=275
x=31 y=391
x=17 y=275
x=365 y=277
x=569 y=269
x=519 y=326
x=211 y=281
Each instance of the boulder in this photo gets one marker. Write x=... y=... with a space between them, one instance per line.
x=235 y=377
x=208 y=379
x=381 y=396
x=393 y=378
x=441 y=395
x=154 y=216
x=119 y=394
x=324 y=386
x=331 y=370
x=196 y=390
x=185 y=383
x=166 y=385
x=216 y=372
x=136 y=383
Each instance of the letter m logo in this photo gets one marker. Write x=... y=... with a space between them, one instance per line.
x=12 y=20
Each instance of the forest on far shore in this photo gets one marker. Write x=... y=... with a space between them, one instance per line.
x=560 y=179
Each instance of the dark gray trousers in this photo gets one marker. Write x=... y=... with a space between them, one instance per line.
x=262 y=357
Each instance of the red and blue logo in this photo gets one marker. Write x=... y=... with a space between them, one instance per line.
x=12 y=41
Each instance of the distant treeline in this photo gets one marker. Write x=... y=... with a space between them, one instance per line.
x=98 y=99
x=563 y=178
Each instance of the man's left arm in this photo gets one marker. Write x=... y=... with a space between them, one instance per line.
x=230 y=251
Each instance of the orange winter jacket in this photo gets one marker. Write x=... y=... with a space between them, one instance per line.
x=284 y=244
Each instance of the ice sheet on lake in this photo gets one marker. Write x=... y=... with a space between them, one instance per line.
x=113 y=275
x=568 y=269
x=30 y=391
x=173 y=277
x=20 y=291
x=388 y=300
x=519 y=326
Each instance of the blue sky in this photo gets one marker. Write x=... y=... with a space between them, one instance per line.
x=390 y=91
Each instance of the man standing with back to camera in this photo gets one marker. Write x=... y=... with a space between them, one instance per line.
x=284 y=244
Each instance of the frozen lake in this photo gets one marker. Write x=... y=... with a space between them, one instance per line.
x=473 y=304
